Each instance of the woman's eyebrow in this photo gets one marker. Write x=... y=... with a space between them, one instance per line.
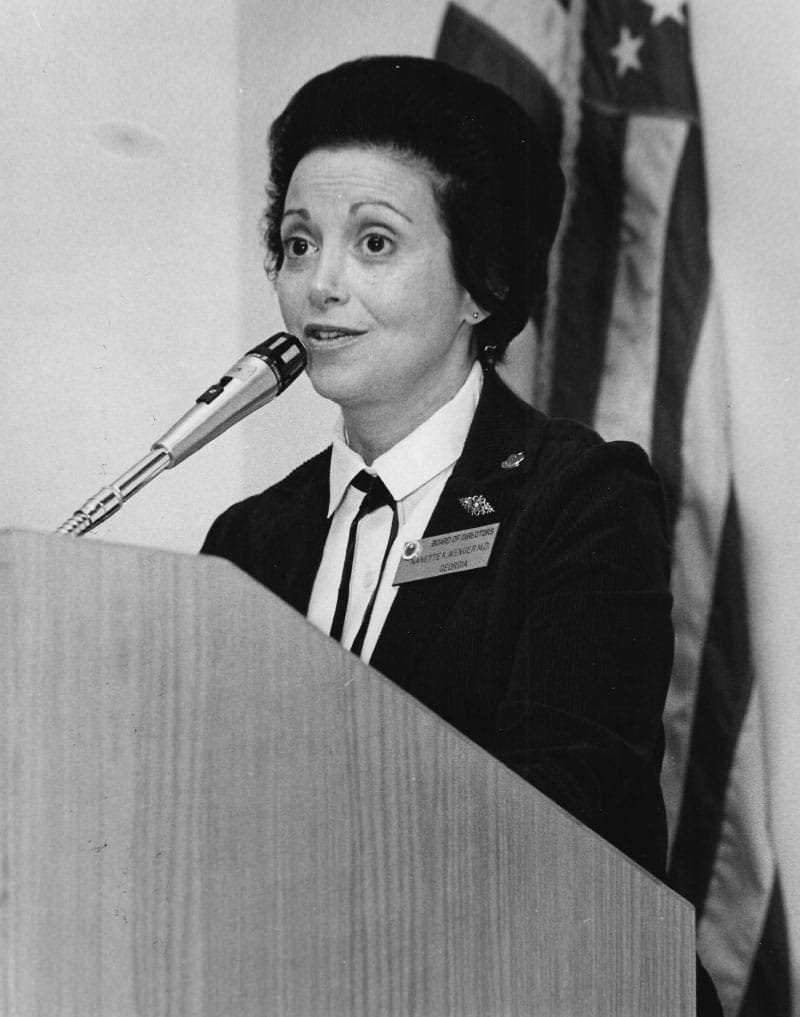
x=301 y=212
x=378 y=201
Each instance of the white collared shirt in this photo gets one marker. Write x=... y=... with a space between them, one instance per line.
x=415 y=471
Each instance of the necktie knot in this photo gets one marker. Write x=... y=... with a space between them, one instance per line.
x=377 y=494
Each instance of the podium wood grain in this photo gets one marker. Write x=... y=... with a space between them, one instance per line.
x=211 y=809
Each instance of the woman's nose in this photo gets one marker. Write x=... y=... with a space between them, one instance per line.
x=327 y=284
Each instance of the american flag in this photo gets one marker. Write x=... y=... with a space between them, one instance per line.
x=632 y=343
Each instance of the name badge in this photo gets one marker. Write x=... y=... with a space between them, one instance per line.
x=449 y=552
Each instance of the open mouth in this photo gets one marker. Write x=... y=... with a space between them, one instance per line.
x=329 y=333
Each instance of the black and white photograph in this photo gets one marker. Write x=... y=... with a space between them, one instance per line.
x=400 y=513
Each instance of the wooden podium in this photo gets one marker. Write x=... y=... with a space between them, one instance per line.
x=212 y=810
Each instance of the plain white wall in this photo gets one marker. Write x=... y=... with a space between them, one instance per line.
x=132 y=165
x=118 y=254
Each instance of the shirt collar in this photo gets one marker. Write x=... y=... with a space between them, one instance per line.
x=432 y=447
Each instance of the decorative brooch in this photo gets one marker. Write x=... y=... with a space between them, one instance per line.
x=476 y=505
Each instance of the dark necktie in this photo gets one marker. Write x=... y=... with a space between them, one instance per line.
x=376 y=496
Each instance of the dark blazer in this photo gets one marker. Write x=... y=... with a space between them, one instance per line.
x=556 y=656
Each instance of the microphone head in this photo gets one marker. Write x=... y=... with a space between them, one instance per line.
x=285 y=354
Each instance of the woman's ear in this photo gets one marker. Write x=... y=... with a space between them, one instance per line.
x=474 y=314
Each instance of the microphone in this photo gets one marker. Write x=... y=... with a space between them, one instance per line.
x=261 y=374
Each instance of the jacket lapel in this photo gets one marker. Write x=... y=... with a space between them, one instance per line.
x=503 y=426
x=289 y=566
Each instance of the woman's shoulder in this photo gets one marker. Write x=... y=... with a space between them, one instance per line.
x=560 y=446
x=308 y=476
x=574 y=447
x=581 y=472
x=569 y=474
x=306 y=484
x=579 y=494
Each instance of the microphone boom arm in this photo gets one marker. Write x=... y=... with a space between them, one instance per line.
x=110 y=499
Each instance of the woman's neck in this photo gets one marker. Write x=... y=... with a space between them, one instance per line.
x=372 y=435
x=372 y=429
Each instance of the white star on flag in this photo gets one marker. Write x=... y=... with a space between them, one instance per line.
x=663 y=9
x=626 y=52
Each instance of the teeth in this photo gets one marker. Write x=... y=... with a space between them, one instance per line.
x=319 y=334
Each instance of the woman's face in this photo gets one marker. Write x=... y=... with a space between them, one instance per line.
x=368 y=285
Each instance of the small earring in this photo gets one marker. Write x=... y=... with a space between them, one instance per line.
x=475 y=315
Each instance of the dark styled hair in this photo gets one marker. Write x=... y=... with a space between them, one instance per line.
x=498 y=189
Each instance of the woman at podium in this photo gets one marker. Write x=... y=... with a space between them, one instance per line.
x=508 y=570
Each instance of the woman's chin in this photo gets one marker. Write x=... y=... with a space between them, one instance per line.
x=336 y=384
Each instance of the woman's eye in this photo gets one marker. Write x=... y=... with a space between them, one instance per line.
x=296 y=247
x=376 y=243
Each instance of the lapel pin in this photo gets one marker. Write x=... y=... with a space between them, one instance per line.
x=476 y=505
x=510 y=462
x=411 y=550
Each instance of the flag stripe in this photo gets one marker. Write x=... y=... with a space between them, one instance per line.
x=723 y=694
x=541 y=31
x=685 y=294
x=744 y=870
x=496 y=60
x=570 y=88
x=769 y=990
x=705 y=467
x=588 y=258
x=653 y=151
